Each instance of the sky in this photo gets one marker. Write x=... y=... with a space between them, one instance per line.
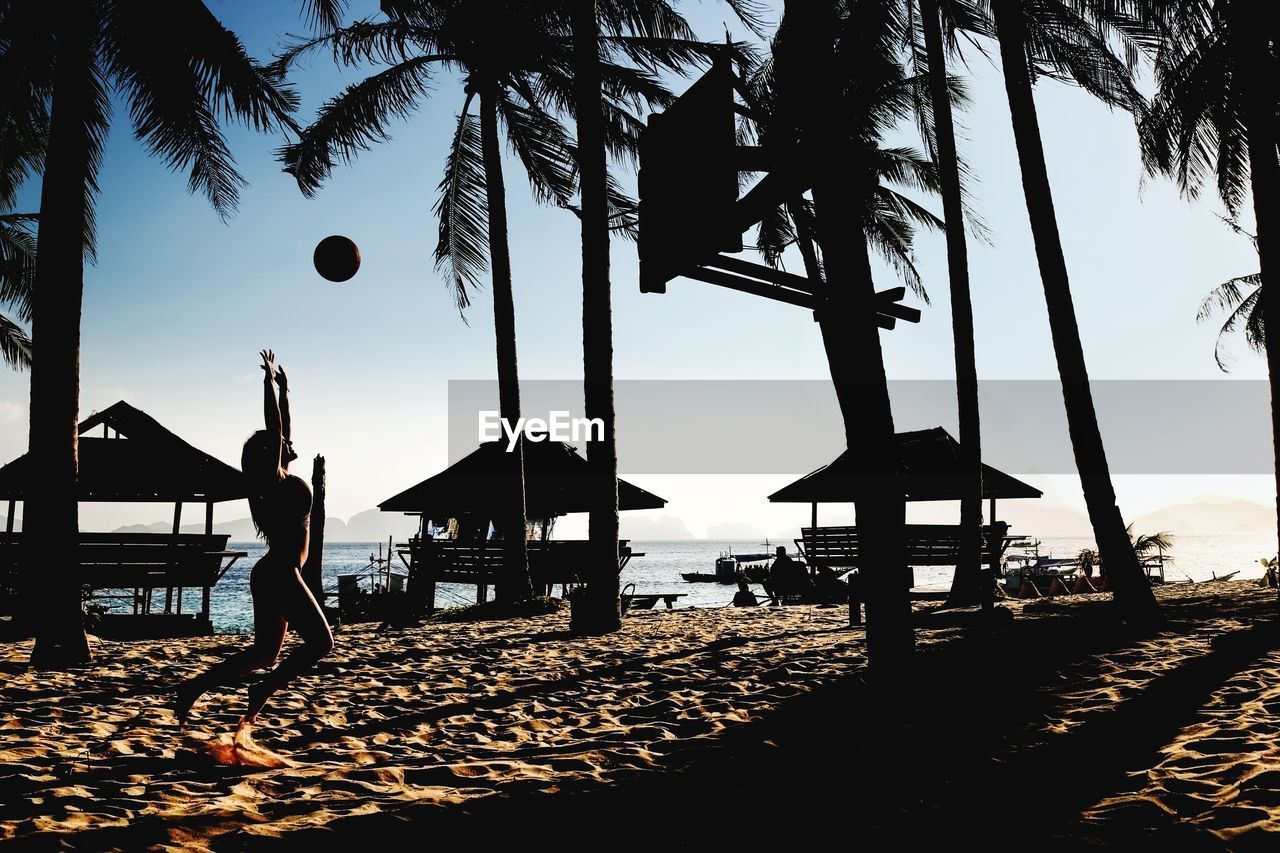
x=179 y=303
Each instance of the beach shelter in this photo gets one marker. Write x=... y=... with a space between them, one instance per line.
x=929 y=463
x=126 y=456
x=557 y=482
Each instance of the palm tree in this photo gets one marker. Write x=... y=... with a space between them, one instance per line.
x=1241 y=298
x=625 y=22
x=834 y=84
x=1072 y=39
x=967 y=587
x=599 y=612
x=61 y=60
x=501 y=59
x=518 y=64
x=1214 y=113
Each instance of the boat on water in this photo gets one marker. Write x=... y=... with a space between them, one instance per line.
x=730 y=567
x=1040 y=569
x=375 y=593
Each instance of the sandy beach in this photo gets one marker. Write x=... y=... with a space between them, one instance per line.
x=721 y=723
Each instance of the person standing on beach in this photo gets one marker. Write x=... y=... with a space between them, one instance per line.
x=280 y=505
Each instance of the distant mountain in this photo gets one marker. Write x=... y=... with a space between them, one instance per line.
x=735 y=531
x=1208 y=517
x=374 y=526
x=663 y=528
x=368 y=526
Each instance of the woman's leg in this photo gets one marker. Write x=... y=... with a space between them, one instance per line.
x=269 y=625
x=306 y=617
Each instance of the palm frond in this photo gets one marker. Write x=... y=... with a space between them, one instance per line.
x=380 y=43
x=544 y=148
x=323 y=15
x=169 y=107
x=236 y=87
x=355 y=119
x=15 y=345
x=17 y=263
x=462 y=250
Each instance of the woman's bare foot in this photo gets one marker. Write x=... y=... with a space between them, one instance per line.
x=183 y=699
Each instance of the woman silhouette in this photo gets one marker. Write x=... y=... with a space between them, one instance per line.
x=280 y=504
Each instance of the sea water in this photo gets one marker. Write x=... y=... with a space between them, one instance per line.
x=659 y=570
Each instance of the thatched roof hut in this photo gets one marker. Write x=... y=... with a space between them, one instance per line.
x=557 y=481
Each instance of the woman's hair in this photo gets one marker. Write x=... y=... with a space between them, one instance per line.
x=257 y=465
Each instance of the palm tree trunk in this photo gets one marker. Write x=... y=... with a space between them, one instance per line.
x=50 y=514
x=602 y=614
x=968 y=586
x=1264 y=178
x=852 y=341
x=514 y=584
x=1132 y=591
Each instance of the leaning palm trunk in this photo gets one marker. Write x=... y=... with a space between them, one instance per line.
x=852 y=342
x=50 y=518
x=514 y=584
x=601 y=612
x=1264 y=178
x=968 y=586
x=1132 y=591
x=851 y=337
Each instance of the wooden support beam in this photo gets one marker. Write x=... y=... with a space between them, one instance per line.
x=177 y=517
x=208 y=518
x=769 y=274
x=13 y=509
x=995 y=552
x=756 y=288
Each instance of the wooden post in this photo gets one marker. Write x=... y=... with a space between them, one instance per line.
x=177 y=517
x=204 y=604
x=208 y=518
x=813 y=519
x=13 y=508
x=313 y=572
x=993 y=545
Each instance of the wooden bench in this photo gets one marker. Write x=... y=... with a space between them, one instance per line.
x=837 y=548
x=646 y=601
x=551 y=562
x=142 y=562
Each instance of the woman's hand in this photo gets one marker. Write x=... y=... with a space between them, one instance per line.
x=269 y=364
x=281 y=379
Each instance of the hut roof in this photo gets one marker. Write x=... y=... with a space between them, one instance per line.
x=930 y=468
x=556 y=482
x=145 y=463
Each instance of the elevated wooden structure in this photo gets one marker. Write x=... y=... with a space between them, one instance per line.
x=469 y=492
x=136 y=460
x=929 y=465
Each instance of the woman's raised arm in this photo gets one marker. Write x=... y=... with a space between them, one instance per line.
x=271 y=408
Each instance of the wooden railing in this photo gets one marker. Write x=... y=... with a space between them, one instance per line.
x=926 y=545
x=141 y=562
x=433 y=561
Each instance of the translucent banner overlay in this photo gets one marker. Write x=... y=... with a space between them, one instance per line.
x=794 y=426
